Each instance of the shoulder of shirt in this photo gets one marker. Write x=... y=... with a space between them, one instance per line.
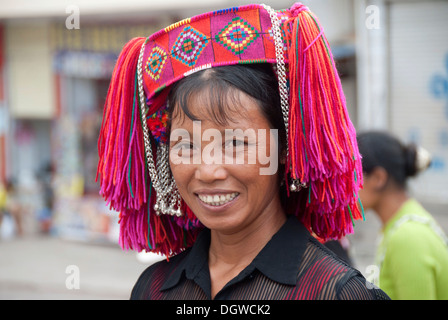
x=352 y=284
x=329 y=252
x=165 y=264
x=152 y=272
x=344 y=266
x=411 y=236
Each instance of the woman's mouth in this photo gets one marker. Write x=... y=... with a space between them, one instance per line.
x=217 y=199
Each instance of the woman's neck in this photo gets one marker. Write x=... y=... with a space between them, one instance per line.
x=245 y=244
x=390 y=204
x=230 y=253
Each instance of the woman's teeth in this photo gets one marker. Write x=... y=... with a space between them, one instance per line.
x=218 y=200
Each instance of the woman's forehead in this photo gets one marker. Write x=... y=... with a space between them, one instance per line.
x=224 y=108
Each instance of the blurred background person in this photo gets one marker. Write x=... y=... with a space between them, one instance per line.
x=11 y=206
x=413 y=252
x=45 y=213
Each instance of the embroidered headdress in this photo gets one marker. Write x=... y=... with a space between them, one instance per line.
x=322 y=154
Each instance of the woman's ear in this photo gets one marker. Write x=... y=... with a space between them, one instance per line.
x=378 y=178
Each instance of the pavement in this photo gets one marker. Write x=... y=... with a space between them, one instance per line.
x=50 y=268
x=37 y=267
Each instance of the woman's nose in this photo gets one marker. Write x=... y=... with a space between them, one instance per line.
x=209 y=173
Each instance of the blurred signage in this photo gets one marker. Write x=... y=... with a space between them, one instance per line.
x=84 y=64
x=92 y=38
x=91 y=51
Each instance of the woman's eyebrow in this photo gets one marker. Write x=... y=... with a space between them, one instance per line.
x=174 y=143
x=180 y=137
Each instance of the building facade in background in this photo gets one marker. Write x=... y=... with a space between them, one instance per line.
x=403 y=81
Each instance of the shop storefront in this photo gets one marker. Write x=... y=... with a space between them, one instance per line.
x=83 y=61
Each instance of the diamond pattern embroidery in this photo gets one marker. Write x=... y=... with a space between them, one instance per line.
x=271 y=35
x=155 y=62
x=237 y=36
x=189 y=45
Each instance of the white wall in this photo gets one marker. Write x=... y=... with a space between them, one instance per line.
x=418 y=81
x=29 y=71
x=372 y=73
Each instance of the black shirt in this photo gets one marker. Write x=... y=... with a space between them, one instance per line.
x=293 y=266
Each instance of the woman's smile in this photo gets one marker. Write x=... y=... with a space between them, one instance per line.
x=217 y=199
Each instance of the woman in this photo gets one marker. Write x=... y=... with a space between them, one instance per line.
x=223 y=161
x=413 y=253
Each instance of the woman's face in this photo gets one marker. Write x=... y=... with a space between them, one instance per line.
x=367 y=194
x=373 y=187
x=227 y=174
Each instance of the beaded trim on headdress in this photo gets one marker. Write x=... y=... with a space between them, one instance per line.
x=322 y=150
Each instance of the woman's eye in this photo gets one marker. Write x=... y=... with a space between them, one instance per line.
x=183 y=146
x=186 y=146
x=234 y=143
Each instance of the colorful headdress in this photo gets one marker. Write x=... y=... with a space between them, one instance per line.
x=322 y=152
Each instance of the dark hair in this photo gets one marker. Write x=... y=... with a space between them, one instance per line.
x=217 y=86
x=381 y=149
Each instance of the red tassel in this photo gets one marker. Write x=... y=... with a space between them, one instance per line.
x=322 y=140
x=120 y=166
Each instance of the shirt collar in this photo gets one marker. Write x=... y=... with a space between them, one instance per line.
x=192 y=260
x=279 y=260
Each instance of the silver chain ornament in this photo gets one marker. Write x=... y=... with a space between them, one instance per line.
x=296 y=185
x=167 y=193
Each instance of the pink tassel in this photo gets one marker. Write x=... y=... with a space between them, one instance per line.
x=322 y=140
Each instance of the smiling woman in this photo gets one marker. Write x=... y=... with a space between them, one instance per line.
x=227 y=147
x=241 y=207
x=227 y=195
